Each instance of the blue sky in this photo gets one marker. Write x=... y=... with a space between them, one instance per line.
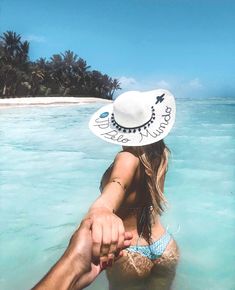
x=187 y=46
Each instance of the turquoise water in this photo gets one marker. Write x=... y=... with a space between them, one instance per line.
x=50 y=167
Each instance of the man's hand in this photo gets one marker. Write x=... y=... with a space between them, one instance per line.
x=76 y=269
x=80 y=249
x=81 y=243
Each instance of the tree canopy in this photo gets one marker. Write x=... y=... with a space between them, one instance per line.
x=64 y=74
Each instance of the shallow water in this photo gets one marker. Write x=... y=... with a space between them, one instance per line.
x=50 y=167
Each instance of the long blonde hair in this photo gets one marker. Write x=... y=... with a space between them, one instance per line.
x=154 y=158
x=154 y=161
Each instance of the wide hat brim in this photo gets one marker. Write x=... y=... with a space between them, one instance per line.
x=163 y=102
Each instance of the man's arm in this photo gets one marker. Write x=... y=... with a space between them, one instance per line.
x=63 y=275
x=75 y=270
x=74 y=263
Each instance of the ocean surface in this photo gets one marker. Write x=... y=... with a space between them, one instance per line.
x=50 y=168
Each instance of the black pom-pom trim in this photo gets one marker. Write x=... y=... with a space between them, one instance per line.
x=134 y=129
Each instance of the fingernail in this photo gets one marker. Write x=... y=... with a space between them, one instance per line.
x=104 y=265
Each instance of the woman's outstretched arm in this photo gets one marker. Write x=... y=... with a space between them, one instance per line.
x=107 y=229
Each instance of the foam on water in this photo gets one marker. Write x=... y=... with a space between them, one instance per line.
x=50 y=167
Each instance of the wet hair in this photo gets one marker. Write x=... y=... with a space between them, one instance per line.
x=154 y=163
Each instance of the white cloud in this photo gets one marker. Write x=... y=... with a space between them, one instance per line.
x=35 y=38
x=163 y=84
x=180 y=87
x=127 y=83
x=195 y=84
x=130 y=83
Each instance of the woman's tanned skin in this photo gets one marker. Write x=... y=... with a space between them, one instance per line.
x=111 y=216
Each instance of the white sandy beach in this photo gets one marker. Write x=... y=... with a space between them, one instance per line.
x=47 y=101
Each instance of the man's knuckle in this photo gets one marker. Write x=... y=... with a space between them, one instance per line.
x=106 y=244
x=96 y=242
x=114 y=242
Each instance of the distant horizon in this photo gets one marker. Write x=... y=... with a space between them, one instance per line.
x=184 y=46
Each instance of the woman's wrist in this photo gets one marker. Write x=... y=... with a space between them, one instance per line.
x=100 y=208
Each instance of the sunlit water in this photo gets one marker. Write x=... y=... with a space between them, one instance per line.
x=50 y=167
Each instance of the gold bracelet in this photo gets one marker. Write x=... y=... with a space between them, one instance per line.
x=123 y=187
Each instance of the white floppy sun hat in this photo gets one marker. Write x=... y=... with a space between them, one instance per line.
x=135 y=118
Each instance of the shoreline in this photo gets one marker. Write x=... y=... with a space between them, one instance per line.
x=48 y=101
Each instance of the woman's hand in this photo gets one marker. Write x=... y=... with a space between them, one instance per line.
x=108 y=235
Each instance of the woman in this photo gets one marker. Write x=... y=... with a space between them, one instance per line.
x=132 y=188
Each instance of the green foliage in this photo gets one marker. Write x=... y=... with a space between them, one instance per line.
x=64 y=74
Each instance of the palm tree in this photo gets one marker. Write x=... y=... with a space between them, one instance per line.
x=64 y=73
x=100 y=85
x=23 y=53
x=114 y=86
x=69 y=57
x=55 y=68
x=11 y=43
x=69 y=71
x=14 y=62
x=1 y=66
x=35 y=79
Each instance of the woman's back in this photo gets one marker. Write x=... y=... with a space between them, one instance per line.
x=138 y=267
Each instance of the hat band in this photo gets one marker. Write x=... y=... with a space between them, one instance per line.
x=133 y=129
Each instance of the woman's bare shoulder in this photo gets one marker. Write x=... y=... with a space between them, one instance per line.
x=124 y=167
x=127 y=157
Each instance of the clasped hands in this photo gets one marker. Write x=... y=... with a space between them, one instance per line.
x=94 y=246
x=108 y=236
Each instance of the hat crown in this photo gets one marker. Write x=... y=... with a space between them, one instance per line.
x=130 y=109
x=135 y=118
